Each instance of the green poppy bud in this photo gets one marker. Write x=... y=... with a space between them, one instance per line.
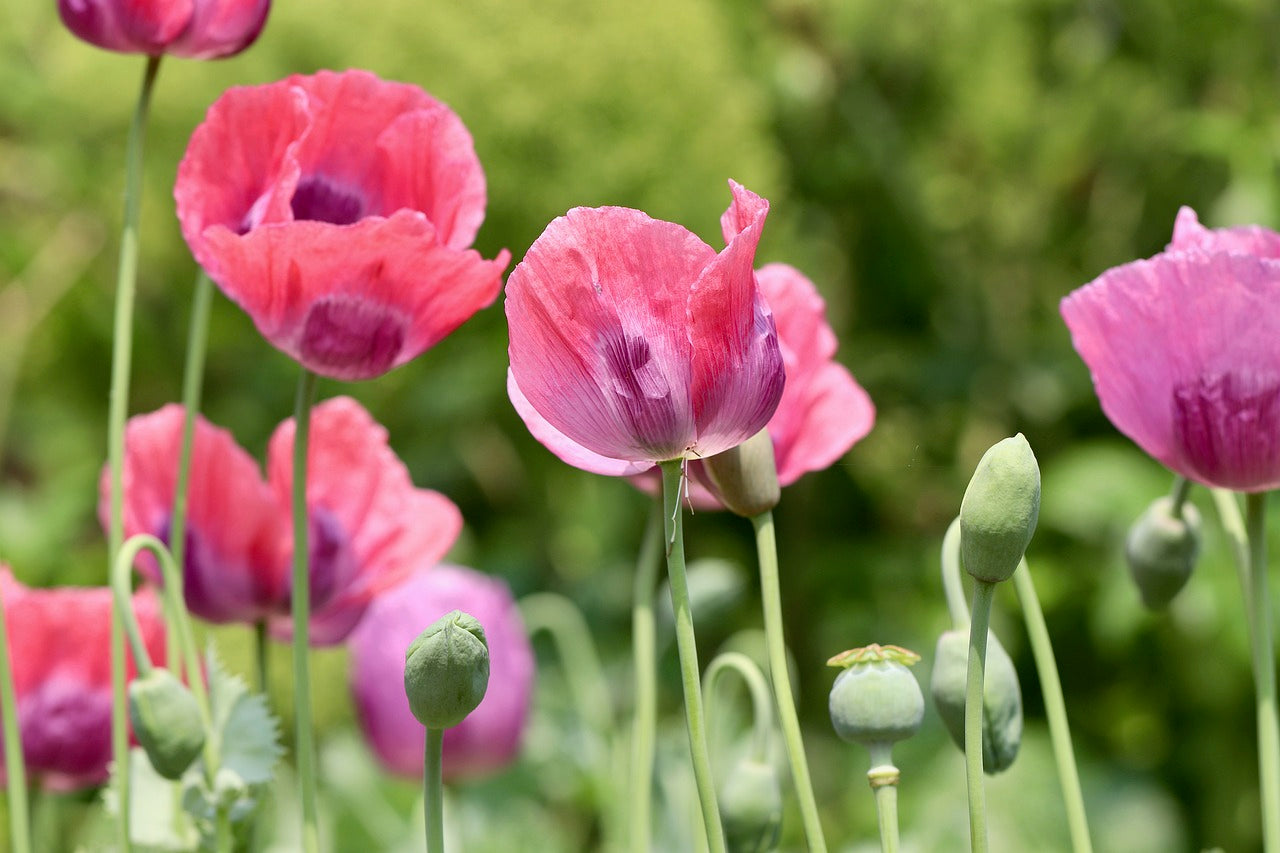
x=746 y=476
x=876 y=700
x=751 y=808
x=1001 y=697
x=446 y=670
x=1161 y=550
x=166 y=721
x=999 y=510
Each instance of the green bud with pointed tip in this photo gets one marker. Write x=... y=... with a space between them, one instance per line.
x=1000 y=510
x=446 y=670
x=1001 y=697
x=876 y=700
x=751 y=808
x=1161 y=550
x=746 y=477
x=166 y=721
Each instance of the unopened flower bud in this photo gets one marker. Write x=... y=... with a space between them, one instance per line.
x=746 y=477
x=1161 y=549
x=1001 y=697
x=446 y=670
x=751 y=808
x=999 y=510
x=876 y=700
x=166 y=721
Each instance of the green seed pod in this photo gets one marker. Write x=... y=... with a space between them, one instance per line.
x=446 y=670
x=746 y=477
x=1161 y=550
x=751 y=808
x=1001 y=697
x=166 y=721
x=999 y=510
x=876 y=700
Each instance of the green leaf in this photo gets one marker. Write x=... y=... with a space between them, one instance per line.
x=157 y=821
x=248 y=734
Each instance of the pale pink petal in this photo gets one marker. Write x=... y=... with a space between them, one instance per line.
x=1189 y=234
x=829 y=414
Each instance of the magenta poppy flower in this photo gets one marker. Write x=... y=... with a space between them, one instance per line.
x=60 y=647
x=236 y=563
x=195 y=29
x=1182 y=349
x=369 y=525
x=637 y=343
x=337 y=210
x=489 y=738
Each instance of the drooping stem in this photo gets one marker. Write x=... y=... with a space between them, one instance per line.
x=952 y=585
x=1258 y=599
x=301 y=611
x=563 y=621
x=14 y=761
x=118 y=406
x=983 y=594
x=761 y=702
x=433 y=791
x=1055 y=709
x=771 y=598
x=686 y=644
x=883 y=777
x=644 y=662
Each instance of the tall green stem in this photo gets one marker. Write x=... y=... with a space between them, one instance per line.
x=771 y=597
x=433 y=790
x=121 y=353
x=14 y=761
x=883 y=777
x=686 y=644
x=301 y=600
x=1258 y=599
x=644 y=662
x=1055 y=708
x=983 y=594
x=261 y=657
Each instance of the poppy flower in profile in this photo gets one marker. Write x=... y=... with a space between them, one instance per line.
x=369 y=525
x=337 y=210
x=636 y=343
x=60 y=648
x=1182 y=349
x=195 y=29
x=489 y=738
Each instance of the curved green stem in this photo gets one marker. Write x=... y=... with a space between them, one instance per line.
x=983 y=594
x=121 y=353
x=1258 y=600
x=644 y=663
x=771 y=599
x=1055 y=709
x=686 y=644
x=301 y=601
x=433 y=791
x=761 y=702
x=14 y=760
x=952 y=584
x=563 y=621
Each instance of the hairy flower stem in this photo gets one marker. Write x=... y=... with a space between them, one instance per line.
x=983 y=594
x=301 y=601
x=433 y=791
x=121 y=353
x=686 y=643
x=14 y=763
x=771 y=597
x=644 y=663
x=1055 y=709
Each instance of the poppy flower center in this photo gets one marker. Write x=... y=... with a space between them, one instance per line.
x=352 y=337
x=1227 y=426
x=642 y=392
x=319 y=200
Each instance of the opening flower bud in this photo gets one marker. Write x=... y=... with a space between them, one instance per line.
x=751 y=808
x=876 y=700
x=746 y=477
x=1001 y=698
x=446 y=670
x=1161 y=550
x=999 y=510
x=166 y=721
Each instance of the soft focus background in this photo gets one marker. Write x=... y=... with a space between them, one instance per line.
x=945 y=172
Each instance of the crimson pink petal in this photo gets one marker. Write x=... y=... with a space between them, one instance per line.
x=221 y=28
x=1189 y=234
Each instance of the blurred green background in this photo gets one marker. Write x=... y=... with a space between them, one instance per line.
x=945 y=172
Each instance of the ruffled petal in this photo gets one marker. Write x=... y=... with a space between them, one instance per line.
x=1189 y=234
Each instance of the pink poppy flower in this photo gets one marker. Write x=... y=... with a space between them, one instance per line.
x=634 y=342
x=369 y=525
x=337 y=210
x=489 y=738
x=195 y=29
x=1182 y=349
x=236 y=566
x=60 y=647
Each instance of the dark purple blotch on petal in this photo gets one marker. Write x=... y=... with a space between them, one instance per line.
x=1227 y=426
x=63 y=723
x=319 y=200
x=333 y=563
x=351 y=337
x=643 y=393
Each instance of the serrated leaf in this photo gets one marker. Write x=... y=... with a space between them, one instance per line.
x=248 y=733
x=157 y=821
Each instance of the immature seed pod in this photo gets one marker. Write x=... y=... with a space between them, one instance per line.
x=876 y=700
x=1161 y=550
x=751 y=808
x=1001 y=697
x=446 y=670
x=1000 y=510
x=746 y=477
x=166 y=721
